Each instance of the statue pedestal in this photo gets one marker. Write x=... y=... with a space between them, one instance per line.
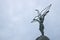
x=42 y=38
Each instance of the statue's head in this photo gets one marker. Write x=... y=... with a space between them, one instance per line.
x=40 y=18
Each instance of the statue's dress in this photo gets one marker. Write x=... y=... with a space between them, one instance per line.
x=41 y=25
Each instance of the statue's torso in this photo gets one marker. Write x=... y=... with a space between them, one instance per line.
x=41 y=19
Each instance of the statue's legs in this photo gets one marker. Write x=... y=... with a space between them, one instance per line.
x=41 y=28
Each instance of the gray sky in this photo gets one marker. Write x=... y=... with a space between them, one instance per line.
x=16 y=17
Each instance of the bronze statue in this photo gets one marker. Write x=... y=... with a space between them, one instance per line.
x=41 y=17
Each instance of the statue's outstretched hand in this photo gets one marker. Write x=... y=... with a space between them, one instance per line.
x=33 y=21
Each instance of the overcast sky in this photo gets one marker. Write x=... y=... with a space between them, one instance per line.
x=16 y=17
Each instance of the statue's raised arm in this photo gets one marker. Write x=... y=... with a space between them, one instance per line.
x=46 y=10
